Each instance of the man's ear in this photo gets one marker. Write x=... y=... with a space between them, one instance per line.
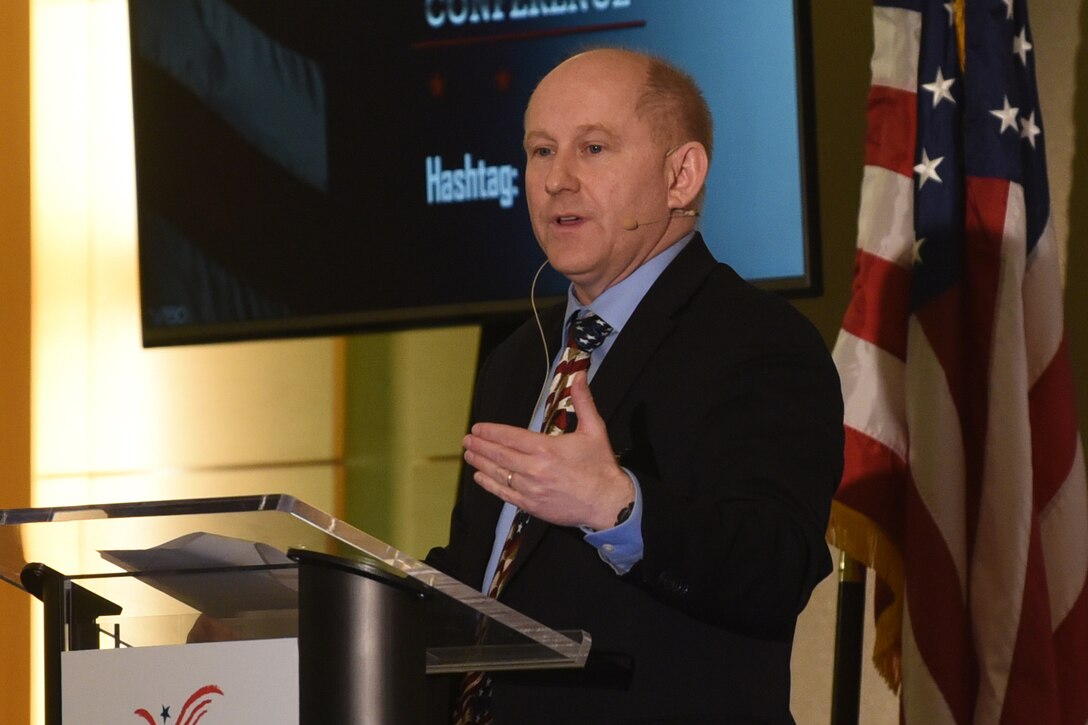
x=687 y=167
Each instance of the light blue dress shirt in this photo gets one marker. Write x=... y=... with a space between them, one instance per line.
x=621 y=546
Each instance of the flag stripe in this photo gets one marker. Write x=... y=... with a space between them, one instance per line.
x=945 y=650
x=888 y=233
x=1069 y=639
x=938 y=470
x=1032 y=679
x=868 y=316
x=1003 y=568
x=889 y=143
x=927 y=703
x=875 y=461
x=1054 y=437
x=1043 y=305
x=1065 y=545
x=896 y=31
x=872 y=394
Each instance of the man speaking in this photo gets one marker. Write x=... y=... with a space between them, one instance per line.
x=665 y=483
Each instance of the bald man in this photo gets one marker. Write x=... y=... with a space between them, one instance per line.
x=677 y=511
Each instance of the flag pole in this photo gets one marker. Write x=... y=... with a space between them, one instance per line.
x=849 y=632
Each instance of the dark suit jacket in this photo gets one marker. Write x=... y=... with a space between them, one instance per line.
x=724 y=403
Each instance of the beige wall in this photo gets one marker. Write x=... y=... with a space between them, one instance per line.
x=111 y=420
x=408 y=398
x=15 y=325
x=108 y=420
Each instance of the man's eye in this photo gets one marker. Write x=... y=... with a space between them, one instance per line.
x=542 y=151
x=594 y=148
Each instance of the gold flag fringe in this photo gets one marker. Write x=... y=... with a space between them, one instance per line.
x=864 y=541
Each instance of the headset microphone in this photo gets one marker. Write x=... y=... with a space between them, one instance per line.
x=540 y=325
x=633 y=224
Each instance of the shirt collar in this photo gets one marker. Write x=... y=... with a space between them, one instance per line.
x=617 y=303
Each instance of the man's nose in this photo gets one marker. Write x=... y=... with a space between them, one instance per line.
x=562 y=174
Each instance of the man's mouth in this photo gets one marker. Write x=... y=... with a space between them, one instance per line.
x=567 y=219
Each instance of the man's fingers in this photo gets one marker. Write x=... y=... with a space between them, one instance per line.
x=499 y=488
x=481 y=452
x=518 y=439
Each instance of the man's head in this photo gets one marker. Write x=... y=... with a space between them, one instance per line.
x=617 y=144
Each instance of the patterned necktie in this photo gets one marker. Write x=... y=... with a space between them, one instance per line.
x=586 y=335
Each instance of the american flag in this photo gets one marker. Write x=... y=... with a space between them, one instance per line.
x=964 y=486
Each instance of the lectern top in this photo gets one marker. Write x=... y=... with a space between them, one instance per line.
x=227 y=558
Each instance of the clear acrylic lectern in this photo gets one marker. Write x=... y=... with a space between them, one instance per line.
x=370 y=621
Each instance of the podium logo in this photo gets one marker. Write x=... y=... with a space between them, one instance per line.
x=195 y=707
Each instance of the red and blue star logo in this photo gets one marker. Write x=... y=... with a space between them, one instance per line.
x=195 y=708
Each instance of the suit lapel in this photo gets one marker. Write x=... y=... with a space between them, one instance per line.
x=643 y=334
x=650 y=325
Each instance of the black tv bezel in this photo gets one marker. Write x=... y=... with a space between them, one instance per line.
x=505 y=313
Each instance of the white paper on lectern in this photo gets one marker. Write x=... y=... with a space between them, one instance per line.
x=177 y=569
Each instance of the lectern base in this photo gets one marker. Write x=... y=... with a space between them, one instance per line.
x=362 y=652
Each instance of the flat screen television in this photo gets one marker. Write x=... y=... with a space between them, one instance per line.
x=324 y=166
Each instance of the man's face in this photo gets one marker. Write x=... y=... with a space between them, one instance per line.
x=593 y=169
